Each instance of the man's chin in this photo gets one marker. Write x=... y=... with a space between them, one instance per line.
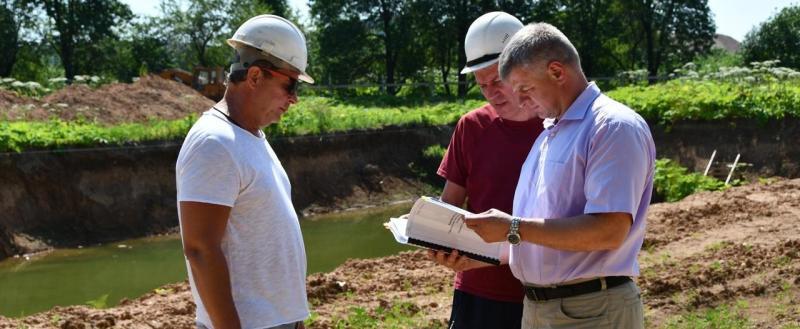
x=502 y=107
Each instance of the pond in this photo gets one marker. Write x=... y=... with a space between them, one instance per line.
x=103 y=275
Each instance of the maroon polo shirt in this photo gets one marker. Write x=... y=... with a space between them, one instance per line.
x=485 y=156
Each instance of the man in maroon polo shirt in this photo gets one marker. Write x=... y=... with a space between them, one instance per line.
x=482 y=166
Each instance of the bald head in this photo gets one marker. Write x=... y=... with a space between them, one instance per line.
x=537 y=44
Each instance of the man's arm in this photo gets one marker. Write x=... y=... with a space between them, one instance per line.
x=203 y=226
x=455 y=194
x=587 y=232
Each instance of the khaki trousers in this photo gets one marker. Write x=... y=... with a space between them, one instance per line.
x=618 y=307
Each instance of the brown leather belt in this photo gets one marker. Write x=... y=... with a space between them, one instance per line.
x=571 y=290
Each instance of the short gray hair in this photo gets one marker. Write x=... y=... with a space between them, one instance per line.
x=536 y=43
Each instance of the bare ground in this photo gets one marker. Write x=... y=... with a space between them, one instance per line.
x=737 y=247
x=150 y=97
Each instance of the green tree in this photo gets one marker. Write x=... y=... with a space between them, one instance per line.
x=443 y=25
x=199 y=26
x=777 y=38
x=14 y=15
x=149 y=47
x=365 y=25
x=81 y=26
x=617 y=35
x=435 y=38
x=673 y=31
x=596 y=29
x=37 y=61
x=345 y=50
x=277 y=7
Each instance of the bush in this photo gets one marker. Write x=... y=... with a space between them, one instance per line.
x=19 y=136
x=313 y=116
x=762 y=92
x=673 y=182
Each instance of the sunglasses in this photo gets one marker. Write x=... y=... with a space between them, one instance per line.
x=291 y=88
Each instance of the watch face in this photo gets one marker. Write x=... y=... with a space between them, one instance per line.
x=513 y=239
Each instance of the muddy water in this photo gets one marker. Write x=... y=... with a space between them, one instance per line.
x=105 y=274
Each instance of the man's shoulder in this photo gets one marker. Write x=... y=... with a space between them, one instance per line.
x=606 y=110
x=212 y=127
x=210 y=134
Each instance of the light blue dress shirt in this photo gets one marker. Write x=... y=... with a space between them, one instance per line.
x=599 y=157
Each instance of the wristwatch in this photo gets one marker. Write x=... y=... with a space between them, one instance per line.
x=513 y=231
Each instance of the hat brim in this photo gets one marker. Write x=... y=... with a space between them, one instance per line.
x=305 y=78
x=478 y=67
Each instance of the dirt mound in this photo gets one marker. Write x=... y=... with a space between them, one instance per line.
x=148 y=98
x=8 y=98
x=737 y=247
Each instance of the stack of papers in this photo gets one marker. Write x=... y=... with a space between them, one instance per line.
x=437 y=225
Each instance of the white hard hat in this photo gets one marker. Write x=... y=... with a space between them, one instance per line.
x=486 y=38
x=272 y=36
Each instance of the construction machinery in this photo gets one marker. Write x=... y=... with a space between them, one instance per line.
x=209 y=81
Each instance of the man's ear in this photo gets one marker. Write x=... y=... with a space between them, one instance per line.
x=253 y=76
x=556 y=71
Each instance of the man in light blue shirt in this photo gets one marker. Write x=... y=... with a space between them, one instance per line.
x=579 y=207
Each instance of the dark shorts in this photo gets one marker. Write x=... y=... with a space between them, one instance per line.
x=470 y=311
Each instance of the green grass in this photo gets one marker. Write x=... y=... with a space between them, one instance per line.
x=313 y=116
x=399 y=315
x=721 y=317
x=55 y=134
x=318 y=115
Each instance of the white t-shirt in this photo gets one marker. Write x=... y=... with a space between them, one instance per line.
x=220 y=163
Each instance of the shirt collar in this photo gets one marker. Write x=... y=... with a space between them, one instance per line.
x=577 y=110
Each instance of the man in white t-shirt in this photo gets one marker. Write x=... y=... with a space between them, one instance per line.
x=241 y=235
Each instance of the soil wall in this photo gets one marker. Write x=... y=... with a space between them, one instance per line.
x=768 y=149
x=67 y=198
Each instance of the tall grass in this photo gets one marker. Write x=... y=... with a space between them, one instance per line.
x=313 y=116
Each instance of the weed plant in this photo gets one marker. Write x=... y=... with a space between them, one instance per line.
x=672 y=182
x=761 y=92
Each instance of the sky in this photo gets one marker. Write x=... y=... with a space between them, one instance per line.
x=733 y=17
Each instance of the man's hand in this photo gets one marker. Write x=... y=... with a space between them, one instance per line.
x=454 y=261
x=491 y=225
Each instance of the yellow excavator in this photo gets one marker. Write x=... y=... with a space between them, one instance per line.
x=209 y=81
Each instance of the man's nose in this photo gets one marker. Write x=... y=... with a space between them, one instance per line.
x=494 y=92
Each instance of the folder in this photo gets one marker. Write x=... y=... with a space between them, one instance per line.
x=437 y=225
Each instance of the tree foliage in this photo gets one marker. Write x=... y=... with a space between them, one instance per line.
x=14 y=15
x=777 y=38
x=199 y=27
x=83 y=31
x=390 y=42
x=617 y=35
